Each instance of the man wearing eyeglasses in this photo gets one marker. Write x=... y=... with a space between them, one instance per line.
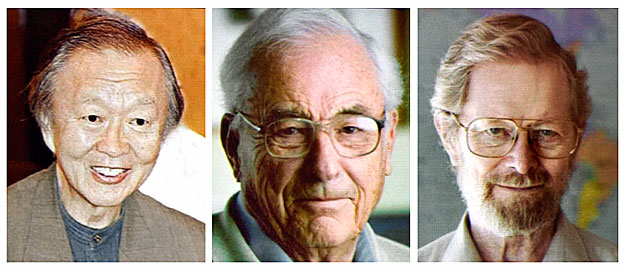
x=312 y=119
x=510 y=107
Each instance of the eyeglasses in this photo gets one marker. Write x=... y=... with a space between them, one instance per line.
x=351 y=135
x=495 y=137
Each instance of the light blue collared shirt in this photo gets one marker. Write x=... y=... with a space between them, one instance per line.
x=266 y=250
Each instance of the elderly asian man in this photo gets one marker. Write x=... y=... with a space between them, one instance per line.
x=312 y=115
x=105 y=97
x=510 y=107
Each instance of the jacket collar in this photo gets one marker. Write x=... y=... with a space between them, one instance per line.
x=47 y=239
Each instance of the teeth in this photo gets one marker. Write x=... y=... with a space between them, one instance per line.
x=109 y=172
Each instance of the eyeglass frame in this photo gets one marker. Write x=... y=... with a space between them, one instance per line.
x=465 y=128
x=261 y=129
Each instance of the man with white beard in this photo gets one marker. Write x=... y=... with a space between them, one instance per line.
x=510 y=107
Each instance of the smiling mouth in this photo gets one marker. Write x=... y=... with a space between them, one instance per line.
x=521 y=188
x=109 y=175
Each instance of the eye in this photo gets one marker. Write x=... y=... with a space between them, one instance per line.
x=349 y=130
x=495 y=131
x=91 y=118
x=287 y=131
x=139 y=122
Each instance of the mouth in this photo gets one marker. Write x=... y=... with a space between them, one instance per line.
x=109 y=175
x=324 y=203
x=525 y=188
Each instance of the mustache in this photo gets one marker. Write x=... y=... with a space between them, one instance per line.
x=535 y=177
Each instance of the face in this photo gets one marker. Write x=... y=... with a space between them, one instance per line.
x=108 y=113
x=321 y=199
x=520 y=191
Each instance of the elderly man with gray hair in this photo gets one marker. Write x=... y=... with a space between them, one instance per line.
x=105 y=97
x=510 y=107
x=312 y=115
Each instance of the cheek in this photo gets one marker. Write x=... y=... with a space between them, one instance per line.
x=276 y=178
x=368 y=175
x=145 y=146
x=73 y=141
x=559 y=169
x=476 y=167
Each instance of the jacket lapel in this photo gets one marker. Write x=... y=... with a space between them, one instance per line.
x=144 y=235
x=47 y=239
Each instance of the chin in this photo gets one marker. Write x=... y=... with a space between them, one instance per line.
x=327 y=232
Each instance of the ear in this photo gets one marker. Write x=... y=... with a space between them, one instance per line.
x=390 y=126
x=48 y=133
x=451 y=143
x=230 y=143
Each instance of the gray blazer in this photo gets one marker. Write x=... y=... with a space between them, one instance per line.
x=151 y=231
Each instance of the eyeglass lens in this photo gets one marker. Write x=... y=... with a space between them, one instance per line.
x=495 y=137
x=351 y=136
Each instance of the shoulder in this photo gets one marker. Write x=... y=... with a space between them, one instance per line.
x=228 y=242
x=22 y=194
x=24 y=189
x=434 y=251
x=21 y=198
x=598 y=249
x=393 y=251
x=183 y=235
x=157 y=211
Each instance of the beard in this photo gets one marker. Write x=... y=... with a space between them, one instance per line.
x=516 y=215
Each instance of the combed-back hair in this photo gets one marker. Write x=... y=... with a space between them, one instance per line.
x=277 y=29
x=96 y=30
x=501 y=38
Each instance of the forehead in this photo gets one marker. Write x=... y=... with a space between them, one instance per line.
x=320 y=78
x=110 y=73
x=518 y=90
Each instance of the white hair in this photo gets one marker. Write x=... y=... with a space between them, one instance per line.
x=275 y=28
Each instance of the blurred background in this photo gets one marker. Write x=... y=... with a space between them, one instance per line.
x=390 y=27
x=591 y=201
x=182 y=33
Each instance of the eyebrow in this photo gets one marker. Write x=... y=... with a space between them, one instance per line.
x=357 y=109
x=280 y=113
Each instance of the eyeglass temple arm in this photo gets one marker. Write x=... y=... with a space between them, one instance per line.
x=254 y=126
x=455 y=117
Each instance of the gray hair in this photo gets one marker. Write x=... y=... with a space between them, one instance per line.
x=499 y=38
x=275 y=28
x=96 y=30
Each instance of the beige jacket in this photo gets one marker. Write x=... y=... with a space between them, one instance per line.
x=151 y=231
x=569 y=244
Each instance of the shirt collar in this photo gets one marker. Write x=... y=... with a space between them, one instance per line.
x=85 y=234
x=266 y=250
x=566 y=244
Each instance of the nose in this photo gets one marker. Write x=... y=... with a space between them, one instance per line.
x=113 y=142
x=324 y=157
x=521 y=157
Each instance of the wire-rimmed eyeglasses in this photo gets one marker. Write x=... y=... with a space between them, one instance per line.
x=351 y=135
x=494 y=137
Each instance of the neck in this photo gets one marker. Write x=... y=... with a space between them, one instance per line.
x=83 y=211
x=524 y=247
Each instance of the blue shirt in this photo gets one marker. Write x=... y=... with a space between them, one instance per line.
x=266 y=250
x=93 y=245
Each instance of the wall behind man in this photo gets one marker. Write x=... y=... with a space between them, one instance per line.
x=591 y=200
